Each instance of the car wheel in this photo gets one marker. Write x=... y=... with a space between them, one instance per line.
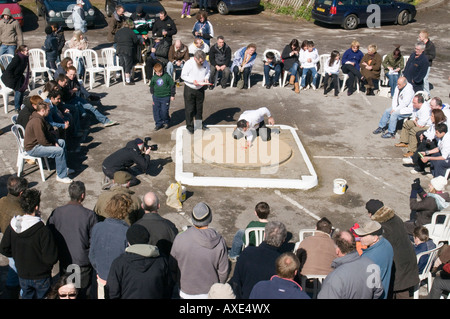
x=403 y=17
x=222 y=8
x=350 y=22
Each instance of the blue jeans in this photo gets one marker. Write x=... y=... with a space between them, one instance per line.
x=56 y=152
x=203 y=4
x=35 y=288
x=236 y=245
x=393 y=78
x=161 y=110
x=87 y=106
x=439 y=168
x=305 y=73
x=276 y=76
x=18 y=100
x=391 y=119
x=9 y=49
x=294 y=71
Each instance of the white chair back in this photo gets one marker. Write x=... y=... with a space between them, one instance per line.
x=259 y=235
x=426 y=273
x=37 y=58
x=5 y=59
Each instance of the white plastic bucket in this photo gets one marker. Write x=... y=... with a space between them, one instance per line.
x=339 y=186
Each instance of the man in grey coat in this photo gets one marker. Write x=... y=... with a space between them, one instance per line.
x=354 y=276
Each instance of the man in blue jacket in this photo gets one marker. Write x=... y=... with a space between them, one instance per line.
x=417 y=67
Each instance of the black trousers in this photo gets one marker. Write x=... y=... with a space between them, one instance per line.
x=353 y=76
x=193 y=105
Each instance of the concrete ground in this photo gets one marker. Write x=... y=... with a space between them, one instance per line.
x=336 y=132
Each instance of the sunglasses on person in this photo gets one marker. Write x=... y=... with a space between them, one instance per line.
x=69 y=295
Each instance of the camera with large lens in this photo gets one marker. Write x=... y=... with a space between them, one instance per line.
x=153 y=147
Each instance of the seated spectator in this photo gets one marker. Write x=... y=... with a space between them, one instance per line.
x=430 y=202
x=108 y=238
x=281 y=285
x=178 y=54
x=220 y=60
x=221 y=291
x=242 y=65
x=419 y=123
x=258 y=263
x=393 y=65
x=401 y=108
x=370 y=66
x=157 y=52
x=349 y=278
x=331 y=69
x=63 y=288
x=141 y=272
x=203 y=29
x=422 y=242
x=198 y=45
x=317 y=252
x=30 y=104
x=262 y=211
x=272 y=61
x=350 y=66
x=290 y=56
x=79 y=42
x=439 y=156
x=441 y=282
x=308 y=62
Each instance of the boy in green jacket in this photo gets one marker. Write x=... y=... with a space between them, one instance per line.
x=162 y=88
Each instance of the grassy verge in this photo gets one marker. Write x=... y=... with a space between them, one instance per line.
x=302 y=13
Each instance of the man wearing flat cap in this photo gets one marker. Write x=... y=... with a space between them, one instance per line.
x=200 y=256
x=379 y=250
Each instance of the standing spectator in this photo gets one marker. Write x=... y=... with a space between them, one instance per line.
x=115 y=23
x=141 y=272
x=430 y=52
x=290 y=57
x=203 y=29
x=108 y=239
x=127 y=42
x=72 y=225
x=370 y=68
x=272 y=61
x=350 y=66
x=78 y=16
x=220 y=59
x=162 y=89
x=199 y=256
x=162 y=231
x=17 y=75
x=32 y=247
x=351 y=274
x=178 y=55
x=417 y=67
x=379 y=250
x=10 y=33
x=59 y=32
x=393 y=65
x=186 y=11
x=195 y=74
x=164 y=27
x=317 y=252
x=258 y=263
x=281 y=285
x=50 y=47
x=243 y=62
x=404 y=275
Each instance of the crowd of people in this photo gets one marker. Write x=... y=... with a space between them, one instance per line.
x=124 y=249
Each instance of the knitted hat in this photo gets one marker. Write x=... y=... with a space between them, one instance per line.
x=7 y=12
x=201 y=215
x=439 y=183
x=122 y=177
x=221 y=291
x=373 y=205
x=138 y=234
x=370 y=228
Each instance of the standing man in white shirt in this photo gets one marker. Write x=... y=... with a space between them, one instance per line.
x=251 y=124
x=195 y=75
x=440 y=156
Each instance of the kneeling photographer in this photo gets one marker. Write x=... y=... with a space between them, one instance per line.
x=135 y=152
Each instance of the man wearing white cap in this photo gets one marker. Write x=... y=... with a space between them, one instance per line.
x=78 y=17
x=379 y=250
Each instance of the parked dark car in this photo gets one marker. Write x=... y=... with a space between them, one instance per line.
x=15 y=8
x=151 y=7
x=351 y=13
x=60 y=12
x=227 y=6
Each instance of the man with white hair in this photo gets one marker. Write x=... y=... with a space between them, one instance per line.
x=416 y=68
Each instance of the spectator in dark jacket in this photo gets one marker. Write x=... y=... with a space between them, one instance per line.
x=127 y=42
x=72 y=225
x=404 y=274
x=430 y=52
x=32 y=247
x=124 y=158
x=30 y=104
x=59 y=32
x=157 y=52
x=51 y=47
x=164 y=27
x=417 y=67
x=141 y=272
x=220 y=59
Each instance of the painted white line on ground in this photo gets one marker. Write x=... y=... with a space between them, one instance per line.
x=295 y=203
x=366 y=99
x=358 y=157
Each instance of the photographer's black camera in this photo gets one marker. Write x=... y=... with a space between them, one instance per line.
x=153 y=147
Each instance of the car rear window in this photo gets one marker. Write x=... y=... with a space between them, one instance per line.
x=325 y=2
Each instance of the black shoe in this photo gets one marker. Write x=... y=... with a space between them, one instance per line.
x=93 y=98
x=267 y=86
x=211 y=87
x=158 y=127
x=224 y=86
x=205 y=128
x=349 y=92
x=379 y=130
x=129 y=83
x=276 y=84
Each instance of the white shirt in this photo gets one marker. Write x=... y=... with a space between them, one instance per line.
x=254 y=117
x=192 y=71
x=193 y=48
x=305 y=55
x=402 y=100
x=423 y=115
x=334 y=68
x=444 y=146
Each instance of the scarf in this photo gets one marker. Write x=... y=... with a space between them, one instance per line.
x=246 y=58
x=440 y=202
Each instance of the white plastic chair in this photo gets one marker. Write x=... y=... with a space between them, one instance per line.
x=439 y=232
x=74 y=54
x=5 y=92
x=323 y=59
x=317 y=284
x=303 y=232
x=259 y=235
x=38 y=60
x=5 y=59
x=426 y=273
x=384 y=80
x=92 y=66
x=14 y=118
x=111 y=63
x=19 y=131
